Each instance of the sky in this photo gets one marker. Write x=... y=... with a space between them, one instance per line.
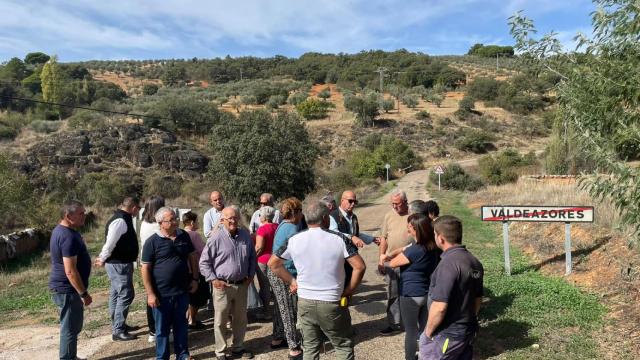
x=165 y=29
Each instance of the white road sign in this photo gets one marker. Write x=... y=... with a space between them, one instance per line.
x=537 y=213
x=439 y=169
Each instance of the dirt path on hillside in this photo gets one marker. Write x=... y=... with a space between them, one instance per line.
x=368 y=313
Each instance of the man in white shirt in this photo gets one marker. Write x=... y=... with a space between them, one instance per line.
x=319 y=256
x=118 y=254
x=266 y=199
x=212 y=216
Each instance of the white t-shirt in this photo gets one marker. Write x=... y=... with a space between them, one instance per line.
x=146 y=230
x=319 y=257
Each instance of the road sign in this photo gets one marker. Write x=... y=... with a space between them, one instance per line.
x=537 y=213
x=387 y=166
x=439 y=169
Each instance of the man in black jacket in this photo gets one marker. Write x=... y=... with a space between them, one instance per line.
x=118 y=254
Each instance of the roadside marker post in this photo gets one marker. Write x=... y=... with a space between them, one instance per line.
x=537 y=213
x=439 y=169
x=387 y=166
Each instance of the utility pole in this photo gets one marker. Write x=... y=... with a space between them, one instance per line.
x=240 y=74
x=381 y=70
x=497 y=65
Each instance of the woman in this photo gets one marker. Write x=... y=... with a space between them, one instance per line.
x=200 y=297
x=264 y=246
x=148 y=227
x=284 y=318
x=417 y=262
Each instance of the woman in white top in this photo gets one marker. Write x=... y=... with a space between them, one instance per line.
x=148 y=227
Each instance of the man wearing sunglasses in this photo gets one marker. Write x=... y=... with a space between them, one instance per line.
x=345 y=221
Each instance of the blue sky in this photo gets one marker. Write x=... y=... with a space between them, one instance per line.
x=129 y=29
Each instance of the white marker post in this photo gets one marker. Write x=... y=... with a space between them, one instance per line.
x=439 y=170
x=387 y=166
x=535 y=213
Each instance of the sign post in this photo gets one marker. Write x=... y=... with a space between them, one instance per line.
x=387 y=166
x=439 y=170
x=536 y=213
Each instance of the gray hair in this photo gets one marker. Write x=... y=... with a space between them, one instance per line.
x=400 y=193
x=418 y=207
x=163 y=210
x=315 y=212
x=328 y=198
x=269 y=196
x=267 y=213
x=70 y=207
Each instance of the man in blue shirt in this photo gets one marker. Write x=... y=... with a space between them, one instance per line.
x=69 y=279
x=166 y=277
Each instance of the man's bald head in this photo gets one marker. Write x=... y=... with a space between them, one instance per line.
x=217 y=200
x=348 y=201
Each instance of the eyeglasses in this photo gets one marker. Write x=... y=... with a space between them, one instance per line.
x=352 y=201
x=234 y=219
x=169 y=221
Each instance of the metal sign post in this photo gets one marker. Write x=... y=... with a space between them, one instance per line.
x=536 y=213
x=387 y=166
x=439 y=170
x=505 y=240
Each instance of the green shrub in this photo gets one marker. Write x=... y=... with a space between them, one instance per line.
x=85 y=119
x=150 y=89
x=503 y=167
x=7 y=132
x=369 y=161
x=411 y=100
x=466 y=104
x=44 y=126
x=101 y=189
x=455 y=178
x=483 y=88
x=167 y=186
x=422 y=115
x=314 y=109
x=297 y=97
x=388 y=105
x=475 y=141
x=324 y=94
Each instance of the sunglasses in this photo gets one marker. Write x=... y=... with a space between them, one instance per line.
x=352 y=201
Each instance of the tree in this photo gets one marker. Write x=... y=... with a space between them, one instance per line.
x=15 y=192
x=52 y=79
x=188 y=115
x=436 y=99
x=466 y=104
x=259 y=152
x=483 y=88
x=596 y=96
x=36 y=58
x=14 y=70
x=313 y=109
x=174 y=75
x=324 y=94
x=388 y=105
x=365 y=108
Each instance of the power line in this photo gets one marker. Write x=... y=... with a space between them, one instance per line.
x=81 y=107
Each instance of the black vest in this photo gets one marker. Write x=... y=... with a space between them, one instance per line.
x=126 y=249
x=343 y=224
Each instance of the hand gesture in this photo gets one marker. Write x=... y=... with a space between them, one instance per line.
x=99 y=262
x=357 y=241
x=293 y=287
x=87 y=300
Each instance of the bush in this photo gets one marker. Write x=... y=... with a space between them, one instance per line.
x=369 y=161
x=410 y=100
x=423 y=115
x=100 y=189
x=44 y=126
x=249 y=100
x=475 y=141
x=531 y=127
x=296 y=98
x=388 y=105
x=467 y=104
x=455 y=178
x=324 y=94
x=314 y=109
x=150 y=89
x=167 y=186
x=275 y=101
x=365 y=108
x=89 y=120
x=483 y=88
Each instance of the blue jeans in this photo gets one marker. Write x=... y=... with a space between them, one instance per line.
x=71 y=311
x=414 y=314
x=172 y=313
x=120 y=295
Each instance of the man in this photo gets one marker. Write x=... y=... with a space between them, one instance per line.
x=118 y=254
x=228 y=262
x=69 y=279
x=212 y=217
x=319 y=256
x=455 y=295
x=266 y=199
x=166 y=257
x=394 y=234
x=418 y=207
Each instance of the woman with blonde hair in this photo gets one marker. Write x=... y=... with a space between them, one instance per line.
x=285 y=312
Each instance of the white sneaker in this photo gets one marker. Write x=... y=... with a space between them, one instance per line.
x=151 y=338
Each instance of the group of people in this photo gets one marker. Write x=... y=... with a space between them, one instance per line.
x=306 y=262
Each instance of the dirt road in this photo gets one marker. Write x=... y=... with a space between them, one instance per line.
x=368 y=312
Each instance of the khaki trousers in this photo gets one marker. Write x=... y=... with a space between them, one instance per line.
x=230 y=300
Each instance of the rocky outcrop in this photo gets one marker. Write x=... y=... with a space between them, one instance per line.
x=131 y=147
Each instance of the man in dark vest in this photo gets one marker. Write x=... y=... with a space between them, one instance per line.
x=118 y=254
x=342 y=219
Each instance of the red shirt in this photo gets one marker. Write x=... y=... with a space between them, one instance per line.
x=267 y=231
